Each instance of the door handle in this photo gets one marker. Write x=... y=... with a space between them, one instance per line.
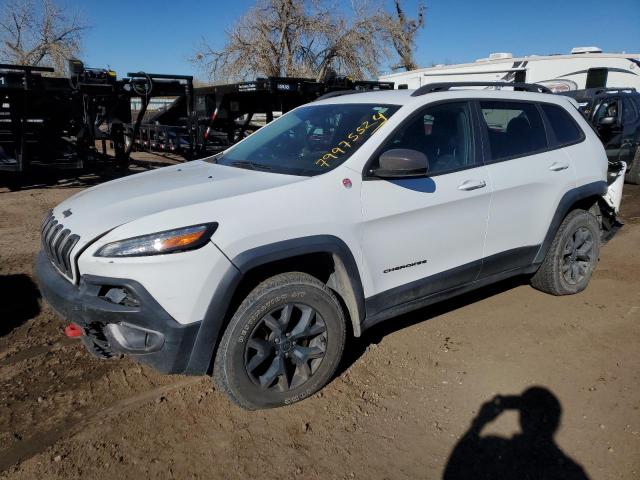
x=558 y=166
x=472 y=185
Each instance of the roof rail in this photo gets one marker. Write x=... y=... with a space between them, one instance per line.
x=338 y=93
x=25 y=68
x=440 y=87
x=598 y=91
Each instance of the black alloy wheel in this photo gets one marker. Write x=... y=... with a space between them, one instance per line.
x=286 y=347
x=577 y=255
x=283 y=343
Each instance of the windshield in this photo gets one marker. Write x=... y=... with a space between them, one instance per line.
x=310 y=140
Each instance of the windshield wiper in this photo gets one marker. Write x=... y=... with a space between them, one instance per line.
x=250 y=165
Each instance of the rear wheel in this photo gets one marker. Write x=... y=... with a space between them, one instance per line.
x=572 y=257
x=633 y=175
x=283 y=344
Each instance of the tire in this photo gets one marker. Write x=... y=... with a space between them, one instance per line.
x=572 y=257
x=283 y=343
x=633 y=172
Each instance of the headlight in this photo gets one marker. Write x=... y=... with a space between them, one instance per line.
x=169 y=241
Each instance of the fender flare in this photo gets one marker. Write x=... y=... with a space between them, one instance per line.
x=568 y=200
x=346 y=281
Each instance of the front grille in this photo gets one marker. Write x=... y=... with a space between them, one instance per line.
x=58 y=242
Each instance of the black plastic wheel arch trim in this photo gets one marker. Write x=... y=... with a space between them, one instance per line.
x=211 y=327
x=301 y=246
x=568 y=200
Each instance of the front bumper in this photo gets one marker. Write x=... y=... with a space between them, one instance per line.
x=119 y=316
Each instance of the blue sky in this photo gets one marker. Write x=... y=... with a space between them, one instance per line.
x=159 y=35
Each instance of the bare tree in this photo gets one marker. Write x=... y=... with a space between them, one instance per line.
x=262 y=42
x=296 y=38
x=350 y=45
x=43 y=34
x=401 y=31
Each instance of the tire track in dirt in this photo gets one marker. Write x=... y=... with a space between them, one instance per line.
x=82 y=421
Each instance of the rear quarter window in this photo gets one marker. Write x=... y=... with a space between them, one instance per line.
x=564 y=127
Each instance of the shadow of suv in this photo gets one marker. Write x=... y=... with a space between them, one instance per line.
x=615 y=115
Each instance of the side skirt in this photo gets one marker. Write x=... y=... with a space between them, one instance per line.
x=513 y=262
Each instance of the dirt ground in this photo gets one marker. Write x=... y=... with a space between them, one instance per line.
x=409 y=394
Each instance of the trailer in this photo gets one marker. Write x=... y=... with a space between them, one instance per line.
x=583 y=68
x=65 y=122
x=224 y=114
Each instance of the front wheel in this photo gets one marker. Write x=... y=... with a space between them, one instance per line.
x=572 y=257
x=283 y=343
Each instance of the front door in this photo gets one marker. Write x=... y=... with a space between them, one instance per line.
x=630 y=130
x=424 y=235
x=610 y=133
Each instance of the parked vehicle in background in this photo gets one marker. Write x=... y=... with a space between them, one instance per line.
x=615 y=114
x=585 y=67
x=254 y=264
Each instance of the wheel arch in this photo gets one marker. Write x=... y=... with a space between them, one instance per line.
x=324 y=256
x=339 y=270
x=583 y=197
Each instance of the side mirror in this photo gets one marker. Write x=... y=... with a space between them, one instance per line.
x=605 y=121
x=402 y=163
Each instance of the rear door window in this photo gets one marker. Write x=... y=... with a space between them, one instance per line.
x=564 y=127
x=515 y=129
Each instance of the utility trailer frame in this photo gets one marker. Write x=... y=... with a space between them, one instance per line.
x=224 y=114
x=56 y=121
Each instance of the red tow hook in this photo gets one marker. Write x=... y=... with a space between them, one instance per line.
x=73 y=331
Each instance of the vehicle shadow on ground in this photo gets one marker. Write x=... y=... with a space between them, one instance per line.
x=19 y=301
x=356 y=347
x=530 y=454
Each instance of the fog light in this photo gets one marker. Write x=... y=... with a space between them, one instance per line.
x=133 y=339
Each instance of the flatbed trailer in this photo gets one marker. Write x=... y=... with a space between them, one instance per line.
x=224 y=114
x=66 y=122
x=60 y=121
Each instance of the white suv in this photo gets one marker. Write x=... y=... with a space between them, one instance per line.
x=254 y=264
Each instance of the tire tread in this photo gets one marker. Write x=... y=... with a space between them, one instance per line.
x=220 y=374
x=547 y=278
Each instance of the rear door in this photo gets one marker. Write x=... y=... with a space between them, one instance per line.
x=529 y=178
x=424 y=235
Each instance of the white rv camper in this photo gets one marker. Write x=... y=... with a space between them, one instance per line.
x=585 y=67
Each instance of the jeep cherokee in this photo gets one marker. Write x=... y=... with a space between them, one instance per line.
x=253 y=265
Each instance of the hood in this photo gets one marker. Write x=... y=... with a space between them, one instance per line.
x=99 y=209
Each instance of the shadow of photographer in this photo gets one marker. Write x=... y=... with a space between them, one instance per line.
x=529 y=455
